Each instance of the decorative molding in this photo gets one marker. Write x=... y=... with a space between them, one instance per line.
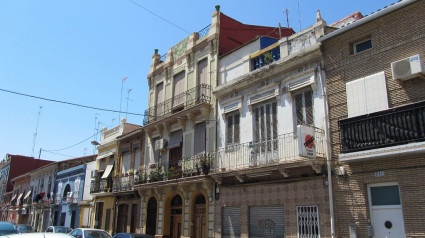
x=391 y=151
x=205 y=112
x=272 y=92
x=302 y=81
x=166 y=127
x=191 y=118
x=182 y=122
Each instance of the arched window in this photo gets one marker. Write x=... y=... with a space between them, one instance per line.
x=66 y=191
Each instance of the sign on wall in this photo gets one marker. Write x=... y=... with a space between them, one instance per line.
x=306 y=143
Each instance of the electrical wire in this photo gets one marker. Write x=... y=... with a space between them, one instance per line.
x=76 y=143
x=57 y=153
x=153 y=13
x=68 y=103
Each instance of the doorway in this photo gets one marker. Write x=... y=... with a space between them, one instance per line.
x=176 y=217
x=199 y=217
x=385 y=210
x=151 y=217
x=122 y=218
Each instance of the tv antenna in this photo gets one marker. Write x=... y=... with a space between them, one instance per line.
x=122 y=85
x=128 y=99
x=286 y=13
x=36 y=130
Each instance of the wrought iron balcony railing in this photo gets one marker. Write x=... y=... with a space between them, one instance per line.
x=189 y=98
x=204 y=31
x=101 y=185
x=265 y=58
x=123 y=183
x=283 y=149
x=391 y=127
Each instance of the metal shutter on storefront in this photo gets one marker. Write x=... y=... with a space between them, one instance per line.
x=266 y=221
x=231 y=222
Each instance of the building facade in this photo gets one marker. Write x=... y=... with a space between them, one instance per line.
x=20 y=207
x=70 y=185
x=10 y=167
x=270 y=165
x=176 y=189
x=374 y=69
x=103 y=213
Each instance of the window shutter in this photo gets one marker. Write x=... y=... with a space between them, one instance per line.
x=137 y=155
x=308 y=98
x=200 y=138
x=230 y=129
x=367 y=95
x=159 y=99
x=299 y=108
x=126 y=158
x=155 y=153
x=202 y=72
x=236 y=129
x=188 y=145
x=179 y=86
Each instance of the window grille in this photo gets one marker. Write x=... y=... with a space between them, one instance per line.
x=308 y=222
x=304 y=108
x=233 y=129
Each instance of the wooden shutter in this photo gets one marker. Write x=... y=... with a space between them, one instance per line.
x=159 y=99
x=236 y=129
x=202 y=72
x=137 y=158
x=229 y=130
x=126 y=159
x=200 y=138
x=231 y=222
x=178 y=90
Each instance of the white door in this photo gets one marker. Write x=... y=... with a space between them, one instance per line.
x=386 y=210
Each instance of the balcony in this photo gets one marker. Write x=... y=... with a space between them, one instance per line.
x=123 y=183
x=393 y=127
x=197 y=165
x=255 y=155
x=101 y=185
x=265 y=56
x=190 y=98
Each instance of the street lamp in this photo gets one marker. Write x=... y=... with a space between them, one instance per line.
x=93 y=142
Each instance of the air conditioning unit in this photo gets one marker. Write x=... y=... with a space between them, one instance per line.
x=408 y=68
x=94 y=173
x=160 y=144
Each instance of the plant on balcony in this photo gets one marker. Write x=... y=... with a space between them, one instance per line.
x=131 y=172
x=268 y=57
x=205 y=163
x=156 y=175
x=141 y=178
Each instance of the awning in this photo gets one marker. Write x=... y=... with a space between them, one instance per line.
x=109 y=153
x=13 y=198
x=28 y=194
x=19 y=198
x=107 y=171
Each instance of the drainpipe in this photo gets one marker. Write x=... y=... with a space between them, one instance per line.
x=328 y=153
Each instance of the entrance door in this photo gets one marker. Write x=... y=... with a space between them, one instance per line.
x=386 y=210
x=176 y=217
x=99 y=215
x=199 y=226
x=122 y=218
x=151 y=217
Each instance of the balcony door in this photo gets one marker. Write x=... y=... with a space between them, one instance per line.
x=122 y=218
x=176 y=217
x=151 y=217
x=199 y=216
x=175 y=148
x=202 y=80
x=266 y=144
x=179 y=96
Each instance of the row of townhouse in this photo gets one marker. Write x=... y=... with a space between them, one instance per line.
x=263 y=132
x=44 y=193
x=256 y=131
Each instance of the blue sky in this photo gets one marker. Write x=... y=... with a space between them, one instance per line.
x=79 y=51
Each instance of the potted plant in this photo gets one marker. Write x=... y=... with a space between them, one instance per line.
x=130 y=171
x=156 y=175
x=205 y=163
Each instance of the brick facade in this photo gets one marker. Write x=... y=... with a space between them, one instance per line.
x=396 y=35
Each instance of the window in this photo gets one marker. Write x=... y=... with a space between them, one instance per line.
x=308 y=224
x=126 y=159
x=202 y=80
x=362 y=46
x=178 y=90
x=367 y=95
x=233 y=129
x=200 y=138
x=304 y=107
x=159 y=99
x=137 y=156
x=155 y=153
x=66 y=191
x=266 y=125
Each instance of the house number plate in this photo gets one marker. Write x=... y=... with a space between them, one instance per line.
x=379 y=174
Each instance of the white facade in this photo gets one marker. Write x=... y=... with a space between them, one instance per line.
x=91 y=166
x=242 y=88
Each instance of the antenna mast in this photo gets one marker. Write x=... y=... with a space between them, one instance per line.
x=128 y=98
x=36 y=130
x=286 y=12
x=122 y=85
x=299 y=15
